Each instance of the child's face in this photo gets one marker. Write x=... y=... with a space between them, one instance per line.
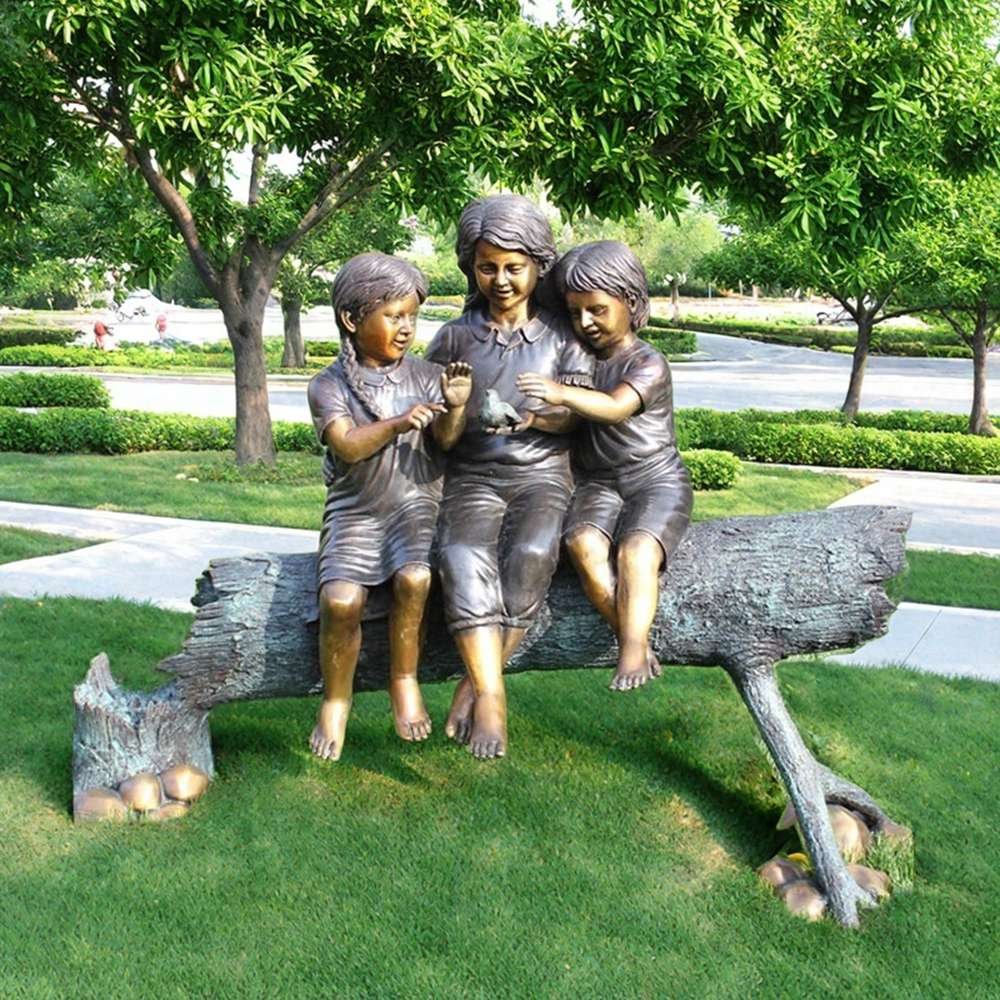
x=506 y=278
x=385 y=334
x=600 y=320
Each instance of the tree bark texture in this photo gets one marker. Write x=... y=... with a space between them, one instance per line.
x=740 y=593
x=852 y=401
x=254 y=437
x=294 y=353
x=979 y=418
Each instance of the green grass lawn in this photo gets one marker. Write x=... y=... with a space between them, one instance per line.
x=292 y=496
x=962 y=581
x=18 y=543
x=612 y=854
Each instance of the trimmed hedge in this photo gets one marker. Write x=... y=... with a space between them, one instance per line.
x=121 y=432
x=891 y=420
x=712 y=470
x=848 y=447
x=668 y=341
x=19 y=336
x=37 y=389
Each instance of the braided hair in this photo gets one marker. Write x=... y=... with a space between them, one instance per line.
x=606 y=266
x=362 y=284
x=509 y=222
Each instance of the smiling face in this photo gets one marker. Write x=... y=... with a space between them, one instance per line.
x=600 y=320
x=385 y=334
x=505 y=278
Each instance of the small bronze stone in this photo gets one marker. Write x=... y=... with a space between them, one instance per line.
x=895 y=831
x=169 y=810
x=184 y=782
x=779 y=872
x=98 y=804
x=850 y=832
x=141 y=792
x=803 y=899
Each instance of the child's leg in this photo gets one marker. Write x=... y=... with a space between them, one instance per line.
x=340 y=606
x=481 y=649
x=639 y=558
x=410 y=587
x=590 y=552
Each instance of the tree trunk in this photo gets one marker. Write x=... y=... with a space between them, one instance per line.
x=675 y=302
x=852 y=401
x=243 y=311
x=294 y=354
x=979 y=419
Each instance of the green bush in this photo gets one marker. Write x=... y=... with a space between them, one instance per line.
x=36 y=389
x=830 y=444
x=945 y=351
x=19 y=336
x=712 y=470
x=891 y=420
x=55 y=356
x=323 y=348
x=670 y=341
x=120 y=432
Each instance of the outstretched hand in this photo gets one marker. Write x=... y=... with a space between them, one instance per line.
x=538 y=387
x=456 y=384
x=418 y=417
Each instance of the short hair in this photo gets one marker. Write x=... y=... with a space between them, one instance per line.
x=369 y=279
x=362 y=284
x=508 y=221
x=606 y=266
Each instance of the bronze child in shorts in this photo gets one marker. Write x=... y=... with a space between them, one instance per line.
x=508 y=483
x=372 y=409
x=633 y=495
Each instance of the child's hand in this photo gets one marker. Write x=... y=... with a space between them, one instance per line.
x=539 y=387
x=418 y=417
x=456 y=384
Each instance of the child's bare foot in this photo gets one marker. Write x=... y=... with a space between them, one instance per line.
x=412 y=720
x=655 y=667
x=327 y=740
x=632 y=674
x=463 y=702
x=489 y=728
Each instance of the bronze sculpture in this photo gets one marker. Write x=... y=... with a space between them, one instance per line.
x=633 y=496
x=371 y=409
x=507 y=488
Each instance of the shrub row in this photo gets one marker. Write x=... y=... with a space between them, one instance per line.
x=670 y=341
x=37 y=389
x=834 y=445
x=712 y=470
x=891 y=420
x=18 y=336
x=120 y=432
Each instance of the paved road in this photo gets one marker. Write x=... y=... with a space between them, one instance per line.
x=744 y=374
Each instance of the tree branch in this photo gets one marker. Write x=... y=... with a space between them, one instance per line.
x=326 y=200
x=256 y=172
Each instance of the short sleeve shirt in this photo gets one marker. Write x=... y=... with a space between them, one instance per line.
x=410 y=465
x=649 y=432
x=546 y=345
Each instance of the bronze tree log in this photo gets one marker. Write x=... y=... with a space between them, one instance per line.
x=740 y=593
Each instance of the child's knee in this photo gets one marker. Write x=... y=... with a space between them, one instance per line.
x=639 y=551
x=586 y=545
x=411 y=582
x=341 y=601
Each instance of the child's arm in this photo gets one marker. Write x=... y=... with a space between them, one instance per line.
x=456 y=387
x=601 y=407
x=353 y=443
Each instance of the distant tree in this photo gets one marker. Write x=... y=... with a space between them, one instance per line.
x=366 y=94
x=369 y=223
x=868 y=285
x=956 y=273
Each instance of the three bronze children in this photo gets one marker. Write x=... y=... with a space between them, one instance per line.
x=593 y=411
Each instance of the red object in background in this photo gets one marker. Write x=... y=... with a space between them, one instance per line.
x=161 y=324
x=100 y=333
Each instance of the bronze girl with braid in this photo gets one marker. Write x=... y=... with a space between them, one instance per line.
x=385 y=418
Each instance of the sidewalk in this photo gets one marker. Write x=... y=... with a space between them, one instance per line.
x=158 y=559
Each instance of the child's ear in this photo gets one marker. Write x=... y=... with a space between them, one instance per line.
x=347 y=321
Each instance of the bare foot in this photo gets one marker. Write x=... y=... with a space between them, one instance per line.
x=655 y=667
x=463 y=702
x=489 y=728
x=327 y=740
x=412 y=720
x=629 y=676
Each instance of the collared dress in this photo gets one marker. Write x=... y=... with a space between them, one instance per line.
x=505 y=496
x=629 y=475
x=381 y=512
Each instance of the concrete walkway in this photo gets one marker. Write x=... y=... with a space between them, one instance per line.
x=158 y=559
